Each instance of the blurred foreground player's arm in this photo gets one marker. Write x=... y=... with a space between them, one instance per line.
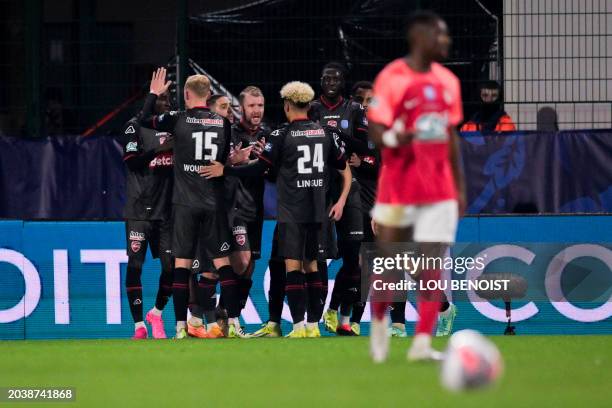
x=165 y=121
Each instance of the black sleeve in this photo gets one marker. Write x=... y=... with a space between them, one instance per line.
x=134 y=156
x=165 y=121
x=227 y=130
x=370 y=164
x=337 y=158
x=253 y=169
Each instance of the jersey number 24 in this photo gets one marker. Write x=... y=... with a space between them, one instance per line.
x=309 y=161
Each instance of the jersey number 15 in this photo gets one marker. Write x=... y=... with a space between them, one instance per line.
x=209 y=146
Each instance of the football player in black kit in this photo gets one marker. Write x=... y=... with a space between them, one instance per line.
x=301 y=151
x=246 y=193
x=200 y=137
x=348 y=117
x=147 y=154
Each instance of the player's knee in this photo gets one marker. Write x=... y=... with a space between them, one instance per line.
x=219 y=263
x=182 y=263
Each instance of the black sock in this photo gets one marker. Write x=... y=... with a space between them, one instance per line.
x=276 y=293
x=244 y=287
x=229 y=290
x=165 y=282
x=296 y=295
x=192 y=302
x=180 y=293
x=315 y=305
x=322 y=268
x=358 y=309
x=398 y=312
x=133 y=288
x=339 y=288
x=206 y=297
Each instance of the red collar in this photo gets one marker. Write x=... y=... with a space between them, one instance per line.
x=328 y=104
x=200 y=107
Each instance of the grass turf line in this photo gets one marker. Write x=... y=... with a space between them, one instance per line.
x=554 y=371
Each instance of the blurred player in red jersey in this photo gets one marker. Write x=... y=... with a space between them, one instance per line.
x=413 y=118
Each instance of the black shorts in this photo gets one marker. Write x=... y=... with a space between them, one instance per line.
x=201 y=262
x=368 y=233
x=299 y=241
x=350 y=226
x=194 y=224
x=246 y=236
x=328 y=245
x=157 y=235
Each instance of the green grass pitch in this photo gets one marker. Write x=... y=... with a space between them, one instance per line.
x=540 y=371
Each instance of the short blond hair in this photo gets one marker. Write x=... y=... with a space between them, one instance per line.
x=249 y=90
x=298 y=93
x=199 y=85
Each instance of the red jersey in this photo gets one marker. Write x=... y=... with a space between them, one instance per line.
x=428 y=104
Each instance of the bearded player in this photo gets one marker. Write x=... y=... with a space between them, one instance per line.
x=421 y=193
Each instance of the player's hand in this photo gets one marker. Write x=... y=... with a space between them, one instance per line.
x=214 y=169
x=167 y=146
x=158 y=82
x=354 y=160
x=238 y=155
x=258 y=148
x=405 y=138
x=336 y=211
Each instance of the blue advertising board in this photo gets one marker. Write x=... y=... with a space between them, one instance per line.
x=65 y=279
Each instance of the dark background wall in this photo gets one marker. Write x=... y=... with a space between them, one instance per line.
x=69 y=64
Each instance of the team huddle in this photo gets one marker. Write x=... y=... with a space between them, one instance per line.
x=380 y=166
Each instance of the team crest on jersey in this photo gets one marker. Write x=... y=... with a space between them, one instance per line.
x=268 y=147
x=369 y=159
x=135 y=245
x=137 y=236
x=131 y=147
x=332 y=123
x=240 y=239
x=130 y=130
x=429 y=92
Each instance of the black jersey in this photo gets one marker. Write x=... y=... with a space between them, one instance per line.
x=200 y=136
x=367 y=174
x=246 y=193
x=301 y=152
x=348 y=117
x=149 y=185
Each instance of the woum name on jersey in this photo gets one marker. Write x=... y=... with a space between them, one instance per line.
x=193 y=168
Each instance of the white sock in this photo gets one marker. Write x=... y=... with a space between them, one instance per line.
x=345 y=320
x=298 y=326
x=400 y=326
x=195 y=321
x=311 y=326
x=272 y=324
x=139 y=324
x=211 y=325
x=421 y=341
x=180 y=325
x=234 y=320
x=156 y=311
